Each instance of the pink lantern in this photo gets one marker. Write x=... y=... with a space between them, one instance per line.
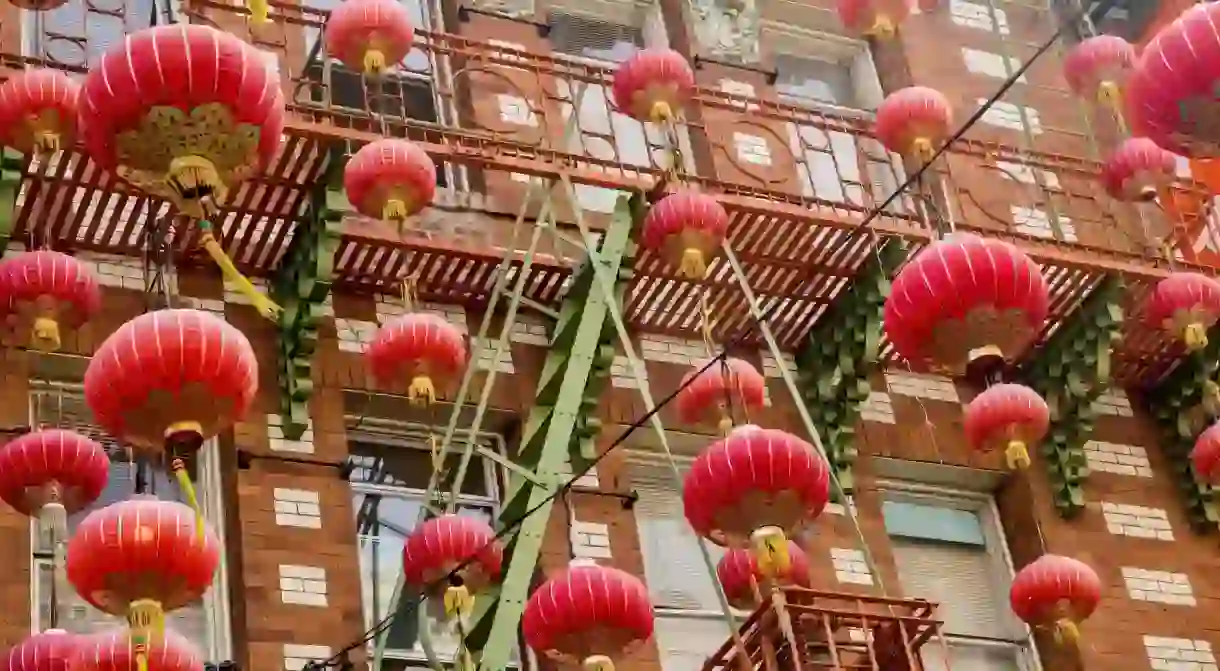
x=1010 y=417
x=1186 y=305
x=1205 y=457
x=874 y=18
x=715 y=391
x=686 y=229
x=653 y=85
x=914 y=122
x=739 y=574
x=1137 y=170
x=1098 y=67
x=51 y=650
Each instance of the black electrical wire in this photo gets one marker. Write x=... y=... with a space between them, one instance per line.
x=873 y=214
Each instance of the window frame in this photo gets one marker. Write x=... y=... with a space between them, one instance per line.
x=30 y=24
x=982 y=503
x=411 y=436
x=209 y=488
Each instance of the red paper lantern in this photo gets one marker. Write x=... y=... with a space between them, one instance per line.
x=653 y=85
x=52 y=473
x=686 y=228
x=38 y=5
x=733 y=383
x=369 y=35
x=420 y=346
x=1137 y=170
x=51 y=650
x=48 y=291
x=914 y=122
x=1170 y=94
x=1098 y=67
x=441 y=544
x=874 y=18
x=1186 y=305
x=754 y=479
x=171 y=377
x=964 y=298
x=1205 y=456
x=1058 y=592
x=1007 y=416
x=38 y=111
x=141 y=558
x=390 y=179
x=184 y=112
x=739 y=574
x=119 y=651
x=588 y=614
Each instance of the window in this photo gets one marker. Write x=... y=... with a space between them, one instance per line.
x=205 y=623
x=389 y=476
x=80 y=32
x=600 y=131
x=948 y=548
x=690 y=624
x=833 y=165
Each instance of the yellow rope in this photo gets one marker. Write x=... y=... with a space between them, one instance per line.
x=265 y=306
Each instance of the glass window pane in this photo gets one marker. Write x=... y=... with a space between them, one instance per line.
x=410 y=466
x=76 y=35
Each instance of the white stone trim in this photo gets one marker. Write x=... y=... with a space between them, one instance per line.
x=297 y=508
x=296 y=656
x=920 y=385
x=851 y=566
x=1179 y=654
x=303 y=585
x=1159 y=586
x=1137 y=521
x=277 y=441
x=590 y=540
x=1119 y=459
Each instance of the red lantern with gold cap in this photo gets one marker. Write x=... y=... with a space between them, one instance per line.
x=169 y=380
x=653 y=85
x=715 y=392
x=38 y=111
x=421 y=347
x=1056 y=592
x=755 y=488
x=686 y=228
x=119 y=650
x=743 y=582
x=914 y=122
x=874 y=18
x=51 y=474
x=51 y=650
x=966 y=298
x=441 y=545
x=369 y=35
x=1010 y=417
x=1137 y=170
x=588 y=614
x=1098 y=67
x=390 y=179
x=47 y=293
x=186 y=112
x=1205 y=456
x=142 y=558
x=1185 y=304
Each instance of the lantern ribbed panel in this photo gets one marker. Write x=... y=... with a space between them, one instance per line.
x=653 y=76
x=51 y=650
x=682 y=217
x=963 y=293
x=1038 y=589
x=442 y=543
x=355 y=26
x=1205 y=456
x=1183 y=297
x=913 y=114
x=1098 y=60
x=389 y=166
x=1170 y=93
x=114 y=651
x=753 y=478
x=182 y=66
x=740 y=386
x=1004 y=412
x=1136 y=168
x=34 y=94
x=141 y=548
x=77 y=464
x=46 y=281
x=416 y=342
x=738 y=567
x=171 y=366
x=588 y=610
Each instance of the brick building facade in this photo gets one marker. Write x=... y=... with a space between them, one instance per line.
x=312 y=537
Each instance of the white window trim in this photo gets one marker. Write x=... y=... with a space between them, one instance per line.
x=211 y=501
x=982 y=503
x=409 y=435
x=855 y=55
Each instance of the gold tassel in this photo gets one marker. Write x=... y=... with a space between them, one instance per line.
x=45 y=335
x=661 y=112
x=458 y=601
x=145 y=619
x=188 y=489
x=265 y=306
x=883 y=28
x=259 y=11
x=598 y=663
x=1067 y=632
x=725 y=425
x=422 y=392
x=374 y=62
x=1017 y=455
x=693 y=265
x=770 y=549
x=1195 y=336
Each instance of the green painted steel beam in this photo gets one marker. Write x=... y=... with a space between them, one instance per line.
x=1070 y=371
x=580 y=354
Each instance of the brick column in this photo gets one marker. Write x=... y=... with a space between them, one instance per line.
x=15 y=592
